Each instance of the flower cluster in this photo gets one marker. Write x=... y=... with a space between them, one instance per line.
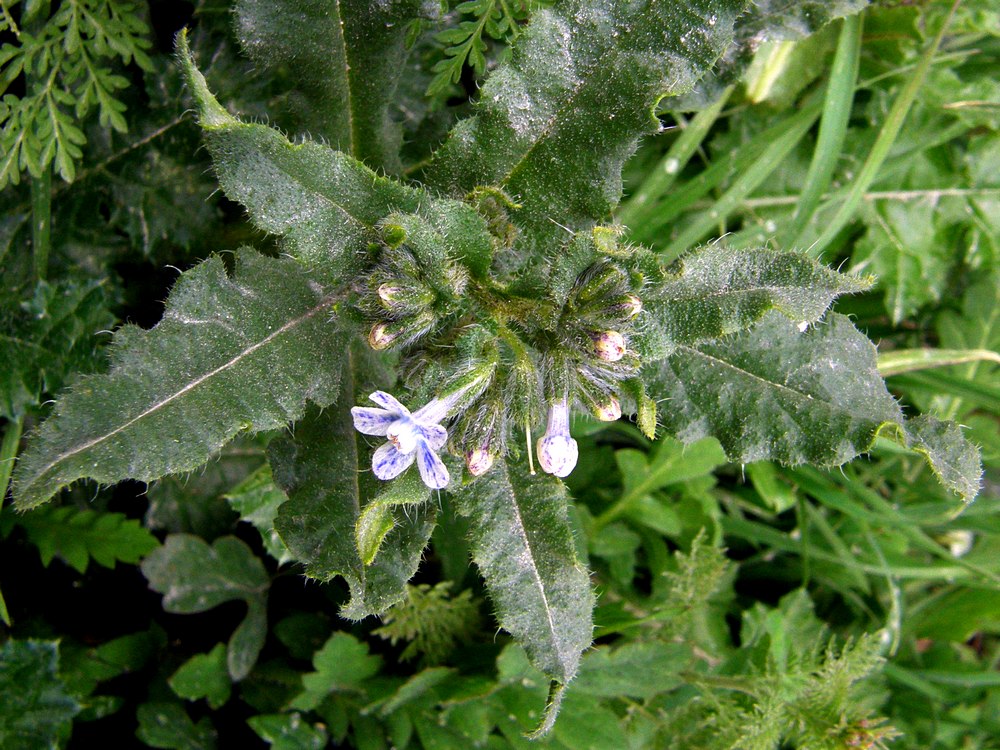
x=570 y=348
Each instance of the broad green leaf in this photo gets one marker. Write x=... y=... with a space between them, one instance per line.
x=50 y=336
x=204 y=676
x=794 y=396
x=342 y=664
x=289 y=732
x=78 y=536
x=346 y=57
x=257 y=499
x=522 y=543
x=323 y=202
x=168 y=726
x=716 y=291
x=36 y=710
x=556 y=121
x=232 y=353
x=195 y=577
x=326 y=481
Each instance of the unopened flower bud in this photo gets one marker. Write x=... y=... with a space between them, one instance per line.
x=389 y=294
x=382 y=335
x=557 y=451
x=627 y=306
x=608 y=411
x=608 y=345
x=600 y=281
x=478 y=461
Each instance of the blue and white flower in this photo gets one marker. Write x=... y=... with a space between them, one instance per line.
x=557 y=451
x=416 y=436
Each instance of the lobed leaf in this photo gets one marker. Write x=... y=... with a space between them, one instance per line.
x=78 y=536
x=716 y=291
x=289 y=731
x=347 y=58
x=323 y=202
x=556 y=121
x=522 y=543
x=204 y=676
x=342 y=664
x=798 y=396
x=232 y=353
x=167 y=725
x=257 y=499
x=195 y=577
x=326 y=482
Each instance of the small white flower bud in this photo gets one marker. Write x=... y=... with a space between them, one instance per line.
x=478 y=461
x=609 y=411
x=557 y=451
x=608 y=345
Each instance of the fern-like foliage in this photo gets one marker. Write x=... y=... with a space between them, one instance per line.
x=79 y=536
x=464 y=43
x=433 y=622
x=63 y=63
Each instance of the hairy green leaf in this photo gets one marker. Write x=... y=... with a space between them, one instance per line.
x=36 y=709
x=379 y=516
x=798 y=396
x=779 y=393
x=716 y=291
x=78 y=536
x=952 y=456
x=347 y=58
x=323 y=202
x=194 y=577
x=204 y=676
x=555 y=123
x=327 y=481
x=232 y=353
x=47 y=338
x=523 y=545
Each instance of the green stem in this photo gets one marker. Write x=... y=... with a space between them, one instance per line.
x=883 y=144
x=832 y=127
x=41 y=221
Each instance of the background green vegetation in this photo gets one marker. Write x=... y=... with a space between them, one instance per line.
x=746 y=606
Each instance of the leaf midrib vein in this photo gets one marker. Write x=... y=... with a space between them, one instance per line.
x=323 y=304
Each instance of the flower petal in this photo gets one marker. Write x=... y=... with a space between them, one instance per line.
x=371 y=421
x=388 y=401
x=389 y=463
x=404 y=434
x=432 y=469
x=435 y=435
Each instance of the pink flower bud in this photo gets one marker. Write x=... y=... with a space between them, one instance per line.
x=478 y=461
x=381 y=337
x=608 y=345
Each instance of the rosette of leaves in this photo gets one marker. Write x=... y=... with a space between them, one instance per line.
x=495 y=270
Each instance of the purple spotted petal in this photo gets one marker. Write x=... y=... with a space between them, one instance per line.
x=388 y=401
x=435 y=435
x=389 y=463
x=432 y=469
x=371 y=421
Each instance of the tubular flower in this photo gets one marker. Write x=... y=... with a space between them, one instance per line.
x=416 y=436
x=557 y=451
